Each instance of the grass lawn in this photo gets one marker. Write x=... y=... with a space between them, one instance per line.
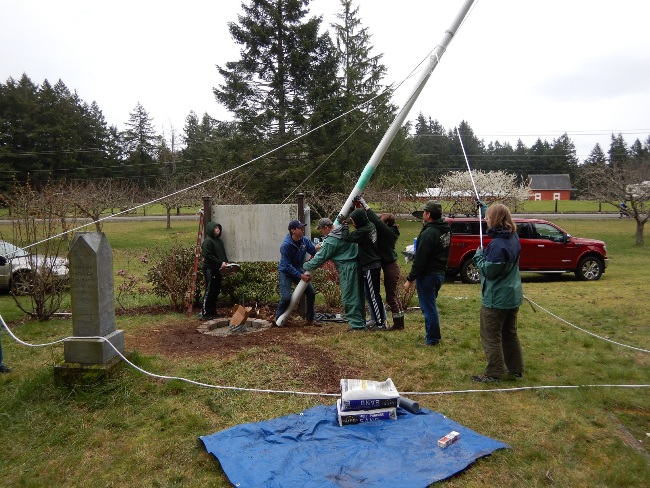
x=134 y=430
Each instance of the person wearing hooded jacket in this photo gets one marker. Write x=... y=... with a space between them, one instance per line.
x=429 y=266
x=369 y=262
x=214 y=260
x=501 y=296
x=387 y=235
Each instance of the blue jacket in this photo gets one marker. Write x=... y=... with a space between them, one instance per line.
x=499 y=268
x=292 y=256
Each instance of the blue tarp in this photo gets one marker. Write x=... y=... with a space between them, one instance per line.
x=310 y=449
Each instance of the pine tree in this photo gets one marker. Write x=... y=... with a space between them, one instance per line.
x=618 y=154
x=360 y=79
x=596 y=156
x=140 y=144
x=270 y=88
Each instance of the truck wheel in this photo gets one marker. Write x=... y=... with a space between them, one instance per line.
x=469 y=272
x=590 y=268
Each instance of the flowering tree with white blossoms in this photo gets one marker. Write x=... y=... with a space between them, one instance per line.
x=492 y=186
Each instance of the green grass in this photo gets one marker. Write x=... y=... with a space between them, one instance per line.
x=137 y=431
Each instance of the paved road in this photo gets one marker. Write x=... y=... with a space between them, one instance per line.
x=544 y=216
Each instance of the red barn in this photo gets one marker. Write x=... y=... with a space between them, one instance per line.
x=550 y=187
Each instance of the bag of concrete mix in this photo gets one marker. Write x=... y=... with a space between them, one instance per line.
x=368 y=394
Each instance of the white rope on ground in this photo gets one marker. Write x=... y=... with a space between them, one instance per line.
x=521 y=388
x=159 y=376
x=303 y=393
x=583 y=330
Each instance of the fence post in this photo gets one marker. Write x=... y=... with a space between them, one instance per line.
x=207 y=212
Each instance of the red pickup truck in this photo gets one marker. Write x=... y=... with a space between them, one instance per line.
x=545 y=248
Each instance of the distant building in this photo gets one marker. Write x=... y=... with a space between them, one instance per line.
x=550 y=187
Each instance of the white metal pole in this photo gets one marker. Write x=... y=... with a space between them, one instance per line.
x=381 y=149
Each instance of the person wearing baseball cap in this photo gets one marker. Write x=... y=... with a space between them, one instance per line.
x=344 y=256
x=293 y=250
x=429 y=266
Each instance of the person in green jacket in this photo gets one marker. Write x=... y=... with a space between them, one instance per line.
x=501 y=296
x=344 y=256
x=214 y=260
x=365 y=236
x=429 y=266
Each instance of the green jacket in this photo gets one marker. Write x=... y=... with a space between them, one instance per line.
x=338 y=250
x=212 y=249
x=366 y=237
x=499 y=268
x=386 y=238
x=432 y=251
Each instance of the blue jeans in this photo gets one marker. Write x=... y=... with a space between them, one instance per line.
x=286 y=281
x=428 y=287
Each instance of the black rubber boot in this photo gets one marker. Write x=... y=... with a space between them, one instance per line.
x=398 y=323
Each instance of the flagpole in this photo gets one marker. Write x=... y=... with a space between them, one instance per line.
x=385 y=142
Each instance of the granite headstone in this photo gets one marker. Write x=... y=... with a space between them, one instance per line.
x=93 y=301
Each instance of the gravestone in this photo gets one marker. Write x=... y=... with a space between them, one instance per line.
x=93 y=301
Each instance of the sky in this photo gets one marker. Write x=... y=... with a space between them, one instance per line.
x=516 y=69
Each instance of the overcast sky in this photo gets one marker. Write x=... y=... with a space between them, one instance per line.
x=516 y=69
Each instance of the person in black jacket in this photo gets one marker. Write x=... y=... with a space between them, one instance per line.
x=214 y=260
x=387 y=235
x=429 y=266
x=369 y=262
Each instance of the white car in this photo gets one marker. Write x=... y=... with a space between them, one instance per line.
x=16 y=274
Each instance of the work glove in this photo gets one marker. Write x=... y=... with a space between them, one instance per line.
x=343 y=220
x=360 y=202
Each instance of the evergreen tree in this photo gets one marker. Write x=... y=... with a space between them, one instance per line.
x=474 y=148
x=596 y=156
x=638 y=153
x=562 y=157
x=431 y=145
x=18 y=113
x=369 y=112
x=140 y=144
x=500 y=157
x=49 y=133
x=538 y=152
x=269 y=88
x=618 y=155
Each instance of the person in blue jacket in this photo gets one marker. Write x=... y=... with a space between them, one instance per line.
x=501 y=296
x=293 y=250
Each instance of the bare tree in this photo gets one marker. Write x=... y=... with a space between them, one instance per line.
x=629 y=183
x=492 y=186
x=94 y=197
x=173 y=194
x=39 y=280
x=226 y=190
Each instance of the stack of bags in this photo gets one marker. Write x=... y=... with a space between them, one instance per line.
x=366 y=401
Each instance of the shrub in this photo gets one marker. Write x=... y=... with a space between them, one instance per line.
x=405 y=296
x=256 y=281
x=170 y=273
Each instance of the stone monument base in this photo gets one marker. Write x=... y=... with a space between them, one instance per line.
x=77 y=374
x=93 y=351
